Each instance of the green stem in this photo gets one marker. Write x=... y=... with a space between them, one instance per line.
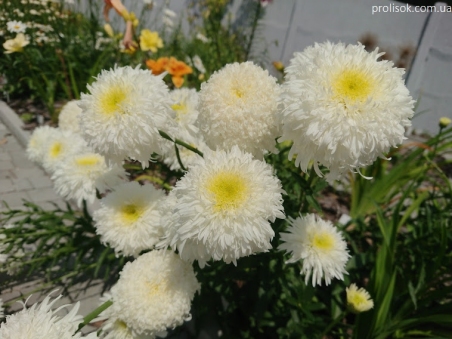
x=333 y=323
x=180 y=142
x=94 y=314
x=179 y=160
x=155 y=180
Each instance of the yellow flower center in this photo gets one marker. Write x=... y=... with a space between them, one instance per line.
x=357 y=299
x=156 y=288
x=323 y=241
x=56 y=149
x=229 y=190
x=112 y=99
x=121 y=324
x=238 y=92
x=88 y=160
x=131 y=213
x=353 y=85
x=180 y=109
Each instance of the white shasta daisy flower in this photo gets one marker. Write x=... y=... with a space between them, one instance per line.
x=123 y=113
x=358 y=300
x=225 y=204
x=238 y=106
x=154 y=293
x=16 y=26
x=42 y=321
x=38 y=141
x=185 y=101
x=68 y=119
x=62 y=145
x=113 y=327
x=342 y=108
x=319 y=244
x=129 y=218
x=80 y=175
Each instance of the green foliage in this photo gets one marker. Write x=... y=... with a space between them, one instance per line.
x=59 y=246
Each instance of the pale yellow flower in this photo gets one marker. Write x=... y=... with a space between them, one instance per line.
x=358 y=300
x=444 y=122
x=150 y=41
x=16 y=45
x=109 y=30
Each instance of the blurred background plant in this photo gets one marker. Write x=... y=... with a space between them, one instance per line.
x=68 y=44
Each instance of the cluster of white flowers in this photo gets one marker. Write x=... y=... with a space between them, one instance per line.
x=339 y=106
x=77 y=172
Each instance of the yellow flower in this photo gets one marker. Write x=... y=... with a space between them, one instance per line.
x=278 y=65
x=444 y=122
x=16 y=45
x=130 y=17
x=358 y=300
x=150 y=41
x=109 y=30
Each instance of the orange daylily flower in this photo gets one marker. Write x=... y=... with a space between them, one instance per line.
x=157 y=66
x=178 y=69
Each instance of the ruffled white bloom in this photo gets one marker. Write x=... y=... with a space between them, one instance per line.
x=68 y=119
x=39 y=139
x=42 y=321
x=129 y=218
x=16 y=26
x=154 y=293
x=358 y=300
x=342 y=108
x=225 y=204
x=113 y=327
x=238 y=106
x=123 y=112
x=319 y=244
x=184 y=105
x=80 y=175
x=63 y=144
x=187 y=156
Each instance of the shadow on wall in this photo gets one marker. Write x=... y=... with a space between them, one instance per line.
x=402 y=56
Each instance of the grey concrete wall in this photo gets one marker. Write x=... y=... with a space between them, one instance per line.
x=430 y=80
